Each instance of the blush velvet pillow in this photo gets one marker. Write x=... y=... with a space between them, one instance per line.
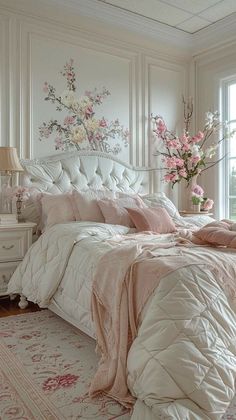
x=152 y=219
x=115 y=212
x=56 y=208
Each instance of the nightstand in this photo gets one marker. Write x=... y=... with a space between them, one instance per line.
x=186 y=213
x=15 y=240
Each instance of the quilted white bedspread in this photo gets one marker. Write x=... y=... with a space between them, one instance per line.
x=190 y=318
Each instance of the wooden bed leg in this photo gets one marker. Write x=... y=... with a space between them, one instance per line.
x=23 y=302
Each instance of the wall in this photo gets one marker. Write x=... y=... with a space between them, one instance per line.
x=210 y=69
x=143 y=76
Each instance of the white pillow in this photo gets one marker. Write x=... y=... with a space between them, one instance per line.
x=159 y=199
x=86 y=204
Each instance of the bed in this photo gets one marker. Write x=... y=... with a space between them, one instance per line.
x=172 y=316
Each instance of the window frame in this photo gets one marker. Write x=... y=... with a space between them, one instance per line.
x=225 y=150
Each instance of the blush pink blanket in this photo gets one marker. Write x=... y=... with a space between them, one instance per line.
x=119 y=295
x=222 y=233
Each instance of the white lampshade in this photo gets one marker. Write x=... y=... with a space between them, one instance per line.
x=9 y=161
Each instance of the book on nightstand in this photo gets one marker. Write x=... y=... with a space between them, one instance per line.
x=8 y=219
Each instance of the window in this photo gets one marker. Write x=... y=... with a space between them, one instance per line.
x=229 y=149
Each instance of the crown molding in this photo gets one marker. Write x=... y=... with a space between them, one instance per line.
x=215 y=35
x=130 y=21
x=212 y=37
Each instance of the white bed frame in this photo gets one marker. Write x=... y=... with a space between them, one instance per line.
x=84 y=170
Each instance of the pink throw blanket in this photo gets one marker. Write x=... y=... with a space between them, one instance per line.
x=118 y=298
x=222 y=233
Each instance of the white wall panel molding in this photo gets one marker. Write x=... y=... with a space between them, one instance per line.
x=4 y=81
x=165 y=83
x=181 y=71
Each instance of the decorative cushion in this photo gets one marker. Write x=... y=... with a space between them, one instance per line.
x=115 y=213
x=56 y=209
x=159 y=199
x=152 y=219
x=86 y=205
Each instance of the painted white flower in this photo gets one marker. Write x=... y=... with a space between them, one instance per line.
x=78 y=134
x=92 y=124
x=69 y=98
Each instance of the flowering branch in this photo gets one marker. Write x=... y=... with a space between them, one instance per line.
x=81 y=129
x=186 y=156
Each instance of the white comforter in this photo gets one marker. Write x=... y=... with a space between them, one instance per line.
x=182 y=365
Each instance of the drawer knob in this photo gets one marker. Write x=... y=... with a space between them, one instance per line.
x=8 y=247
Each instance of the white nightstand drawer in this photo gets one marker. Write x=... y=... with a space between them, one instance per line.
x=13 y=245
x=6 y=271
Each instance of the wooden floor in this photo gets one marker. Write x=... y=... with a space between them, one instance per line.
x=10 y=307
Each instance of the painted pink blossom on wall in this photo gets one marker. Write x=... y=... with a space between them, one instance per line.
x=81 y=129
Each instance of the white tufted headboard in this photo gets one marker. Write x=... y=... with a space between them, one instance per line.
x=83 y=170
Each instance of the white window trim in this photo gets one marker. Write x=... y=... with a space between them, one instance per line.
x=224 y=150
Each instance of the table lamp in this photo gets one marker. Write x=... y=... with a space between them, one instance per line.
x=9 y=163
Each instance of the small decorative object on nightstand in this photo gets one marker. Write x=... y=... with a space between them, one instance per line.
x=15 y=240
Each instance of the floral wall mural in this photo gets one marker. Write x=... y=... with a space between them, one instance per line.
x=80 y=128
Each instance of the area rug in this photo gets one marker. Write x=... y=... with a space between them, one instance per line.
x=46 y=366
x=45 y=369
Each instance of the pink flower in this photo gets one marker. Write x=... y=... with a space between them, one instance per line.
x=173 y=162
x=179 y=162
x=69 y=120
x=45 y=87
x=183 y=173
x=195 y=159
x=171 y=177
x=184 y=139
x=186 y=147
x=197 y=190
x=160 y=126
x=208 y=204
x=89 y=112
x=198 y=137
x=60 y=381
x=103 y=123
x=173 y=144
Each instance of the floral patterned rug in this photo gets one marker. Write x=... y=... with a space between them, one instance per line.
x=45 y=369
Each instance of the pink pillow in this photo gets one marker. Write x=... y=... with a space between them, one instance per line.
x=56 y=209
x=152 y=219
x=220 y=233
x=86 y=206
x=115 y=213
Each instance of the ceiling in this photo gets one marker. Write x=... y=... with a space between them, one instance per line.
x=187 y=15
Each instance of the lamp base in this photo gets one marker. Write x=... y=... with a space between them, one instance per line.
x=6 y=193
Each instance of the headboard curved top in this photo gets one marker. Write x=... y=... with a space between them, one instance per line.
x=83 y=170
